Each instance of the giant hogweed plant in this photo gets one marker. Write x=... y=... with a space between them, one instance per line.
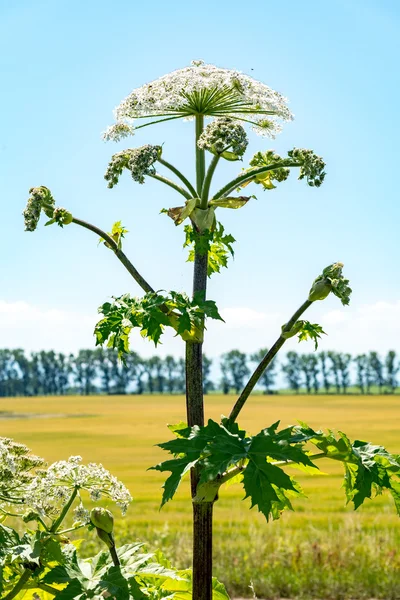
x=215 y=453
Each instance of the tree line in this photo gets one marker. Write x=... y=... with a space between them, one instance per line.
x=100 y=371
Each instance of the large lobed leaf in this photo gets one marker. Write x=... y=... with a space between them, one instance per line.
x=219 y=449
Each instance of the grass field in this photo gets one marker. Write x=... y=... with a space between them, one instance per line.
x=323 y=550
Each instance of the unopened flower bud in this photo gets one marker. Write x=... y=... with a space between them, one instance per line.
x=319 y=290
x=62 y=216
x=102 y=518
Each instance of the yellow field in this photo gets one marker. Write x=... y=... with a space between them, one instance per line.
x=120 y=432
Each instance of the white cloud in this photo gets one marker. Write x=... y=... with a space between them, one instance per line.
x=23 y=325
x=352 y=329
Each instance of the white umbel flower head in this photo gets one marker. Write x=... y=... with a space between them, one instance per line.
x=202 y=89
x=52 y=488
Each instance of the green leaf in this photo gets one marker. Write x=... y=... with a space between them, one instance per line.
x=178 y=468
x=310 y=331
x=231 y=202
x=216 y=243
x=261 y=482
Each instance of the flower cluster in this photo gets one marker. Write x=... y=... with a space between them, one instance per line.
x=53 y=487
x=17 y=471
x=40 y=198
x=312 y=168
x=203 y=89
x=139 y=161
x=224 y=134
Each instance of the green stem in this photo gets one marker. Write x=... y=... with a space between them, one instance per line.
x=118 y=253
x=232 y=185
x=64 y=511
x=202 y=511
x=200 y=158
x=70 y=529
x=207 y=181
x=19 y=585
x=180 y=175
x=48 y=588
x=114 y=556
x=10 y=514
x=265 y=362
x=172 y=184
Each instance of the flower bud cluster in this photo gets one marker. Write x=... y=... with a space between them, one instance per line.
x=139 y=161
x=224 y=134
x=331 y=280
x=312 y=168
x=40 y=199
x=262 y=159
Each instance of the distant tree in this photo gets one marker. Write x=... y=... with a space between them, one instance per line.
x=63 y=373
x=292 y=371
x=170 y=370
x=234 y=363
x=9 y=380
x=136 y=370
x=180 y=380
x=267 y=379
x=323 y=357
x=335 y=369
x=159 y=377
x=308 y=364
x=36 y=376
x=121 y=373
x=377 y=370
x=24 y=367
x=208 y=384
x=361 y=361
x=369 y=375
x=344 y=361
x=225 y=379
x=84 y=370
x=313 y=359
x=392 y=366
x=104 y=368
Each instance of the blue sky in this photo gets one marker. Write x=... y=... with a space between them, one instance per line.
x=66 y=65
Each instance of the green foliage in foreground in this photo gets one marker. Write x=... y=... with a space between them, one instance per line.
x=42 y=561
x=57 y=571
